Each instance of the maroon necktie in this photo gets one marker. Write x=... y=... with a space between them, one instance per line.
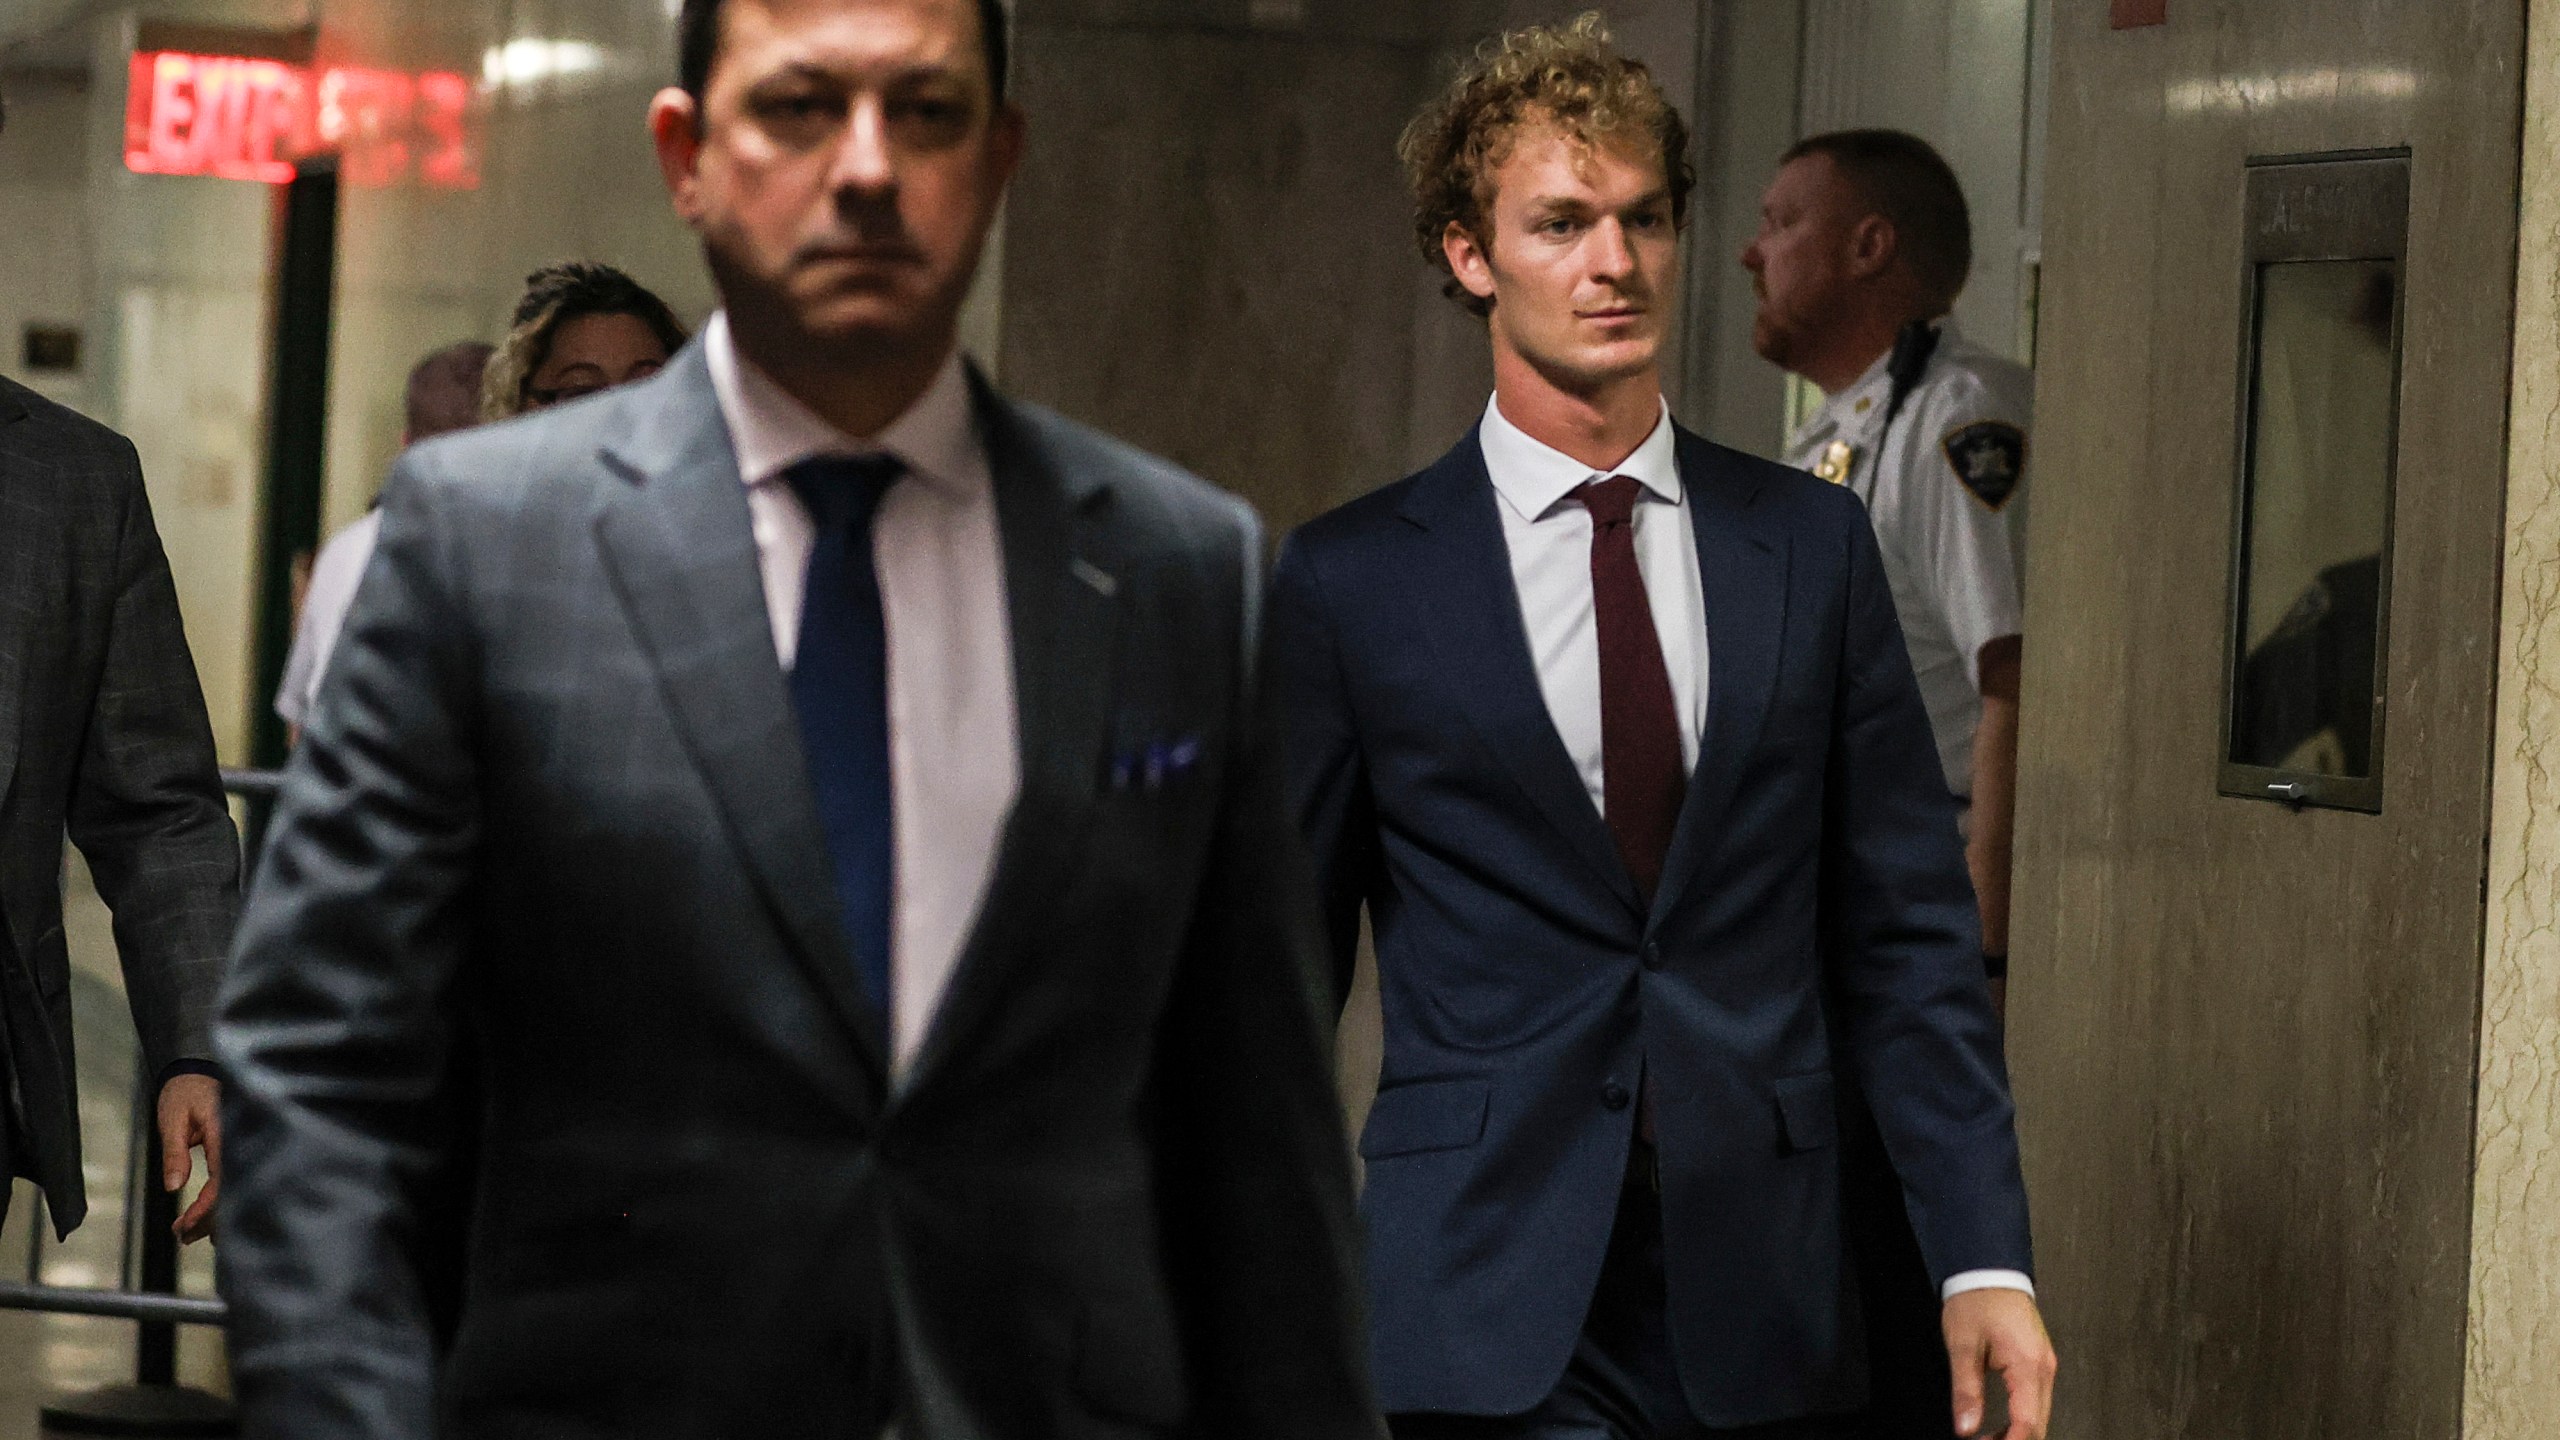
x=1639 y=724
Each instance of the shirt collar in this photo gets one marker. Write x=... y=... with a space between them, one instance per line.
x=937 y=438
x=1845 y=408
x=1533 y=477
x=1874 y=389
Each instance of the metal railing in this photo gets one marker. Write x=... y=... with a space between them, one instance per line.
x=139 y=1305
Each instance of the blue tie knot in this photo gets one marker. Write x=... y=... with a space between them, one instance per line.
x=843 y=492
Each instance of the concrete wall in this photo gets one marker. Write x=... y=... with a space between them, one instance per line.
x=2512 y=1373
x=44 y=179
x=179 y=309
x=1959 y=74
x=1212 y=247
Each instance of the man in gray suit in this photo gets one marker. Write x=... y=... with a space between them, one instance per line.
x=811 y=812
x=103 y=735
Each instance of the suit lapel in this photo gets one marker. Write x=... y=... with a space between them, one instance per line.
x=1465 y=599
x=1744 y=575
x=17 y=578
x=1060 y=605
x=679 y=545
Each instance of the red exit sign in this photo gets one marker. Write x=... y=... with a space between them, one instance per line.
x=243 y=118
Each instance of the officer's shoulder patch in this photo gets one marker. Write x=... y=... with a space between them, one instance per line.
x=1990 y=457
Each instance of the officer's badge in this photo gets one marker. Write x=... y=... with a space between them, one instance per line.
x=1990 y=457
x=1834 y=465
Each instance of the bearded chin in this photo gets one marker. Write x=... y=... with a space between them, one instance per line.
x=1772 y=340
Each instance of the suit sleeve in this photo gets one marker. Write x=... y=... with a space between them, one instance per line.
x=1259 y=1202
x=146 y=808
x=1326 y=778
x=334 y=1021
x=1903 y=940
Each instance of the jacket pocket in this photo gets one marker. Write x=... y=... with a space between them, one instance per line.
x=1425 y=1115
x=1807 y=1112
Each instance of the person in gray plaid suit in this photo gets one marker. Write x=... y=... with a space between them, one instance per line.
x=103 y=736
x=810 y=817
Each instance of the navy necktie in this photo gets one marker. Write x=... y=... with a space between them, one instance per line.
x=840 y=690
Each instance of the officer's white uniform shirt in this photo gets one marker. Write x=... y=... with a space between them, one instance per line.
x=1944 y=488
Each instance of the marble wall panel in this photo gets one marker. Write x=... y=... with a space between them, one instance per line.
x=44 y=256
x=1747 y=89
x=2513 y=1370
x=1401 y=22
x=1207 y=252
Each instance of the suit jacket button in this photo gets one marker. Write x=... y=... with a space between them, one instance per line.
x=1614 y=1095
x=1652 y=955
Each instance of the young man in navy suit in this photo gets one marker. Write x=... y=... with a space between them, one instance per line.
x=1613 y=733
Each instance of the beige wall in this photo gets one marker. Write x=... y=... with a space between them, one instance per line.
x=2513 y=1374
x=179 y=308
x=1957 y=73
x=44 y=177
x=566 y=171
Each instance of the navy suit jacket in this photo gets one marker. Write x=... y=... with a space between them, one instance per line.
x=1815 y=917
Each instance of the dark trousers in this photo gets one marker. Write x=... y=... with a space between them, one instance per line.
x=1622 y=1383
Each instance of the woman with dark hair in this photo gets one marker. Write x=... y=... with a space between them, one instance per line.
x=580 y=328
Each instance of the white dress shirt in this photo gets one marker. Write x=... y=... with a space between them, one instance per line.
x=1952 y=558
x=1549 y=536
x=324 y=613
x=954 y=752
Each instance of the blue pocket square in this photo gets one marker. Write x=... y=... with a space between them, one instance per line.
x=1153 y=766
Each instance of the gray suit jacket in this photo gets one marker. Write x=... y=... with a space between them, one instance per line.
x=103 y=734
x=549 y=845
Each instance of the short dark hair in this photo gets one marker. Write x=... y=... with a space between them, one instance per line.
x=1902 y=178
x=698 y=44
x=553 y=296
x=444 y=390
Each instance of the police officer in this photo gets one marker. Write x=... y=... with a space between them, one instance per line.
x=1864 y=244
x=1863 y=247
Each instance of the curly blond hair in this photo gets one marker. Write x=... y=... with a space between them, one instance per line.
x=1570 y=76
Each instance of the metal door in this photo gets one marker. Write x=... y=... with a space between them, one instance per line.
x=2244 y=1029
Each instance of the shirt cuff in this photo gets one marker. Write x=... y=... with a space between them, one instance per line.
x=176 y=1068
x=1986 y=1280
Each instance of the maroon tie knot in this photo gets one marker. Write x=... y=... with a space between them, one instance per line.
x=1611 y=501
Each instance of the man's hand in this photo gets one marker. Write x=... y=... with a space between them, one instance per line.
x=2001 y=1330
x=191 y=1117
